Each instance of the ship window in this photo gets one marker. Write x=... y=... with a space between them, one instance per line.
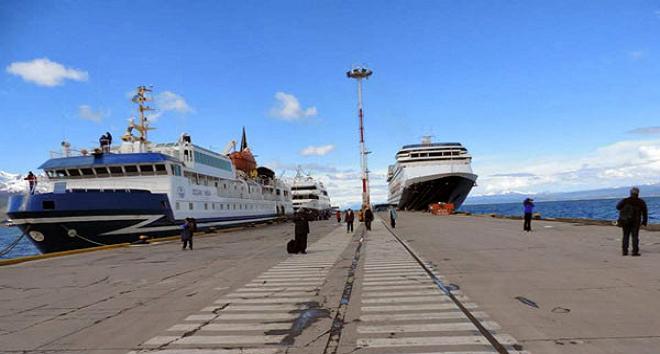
x=131 y=170
x=116 y=171
x=177 y=205
x=147 y=169
x=101 y=171
x=224 y=185
x=278 y=192
x=228 y=207
x=190 y=206
x=160 y=169
x=222 y=206
x=206 y=206
x=74 y=172
x=234 y=206
x=60 y=173
x=455 y=153
x=50 y=173
x=176 y=170
x=87 y=171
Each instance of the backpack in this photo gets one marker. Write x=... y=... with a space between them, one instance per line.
x=626 y=215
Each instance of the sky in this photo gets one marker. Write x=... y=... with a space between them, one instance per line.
x=547 y=96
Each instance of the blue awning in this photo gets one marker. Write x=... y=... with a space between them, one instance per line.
x=106 y=159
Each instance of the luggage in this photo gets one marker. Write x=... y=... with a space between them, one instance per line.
x=292 y=247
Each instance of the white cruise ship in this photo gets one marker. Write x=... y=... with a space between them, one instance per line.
x=429 y=173
x=116 y=194
x=310 y=194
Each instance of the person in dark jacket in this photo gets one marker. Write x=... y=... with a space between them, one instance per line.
x=528 y=208
x=32 y=181
x=301 y=230
x=349 y=217
x=187 y=231
x=338 y=214
x=368 y=218
x=632 y=214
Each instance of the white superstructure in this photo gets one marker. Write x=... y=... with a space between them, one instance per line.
x=309 y=193
x=430 y=173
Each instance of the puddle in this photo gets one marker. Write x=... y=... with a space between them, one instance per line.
x=452 y=287
x=560 y=309
x=305 y=319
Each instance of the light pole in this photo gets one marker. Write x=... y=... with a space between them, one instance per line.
x=360 y=73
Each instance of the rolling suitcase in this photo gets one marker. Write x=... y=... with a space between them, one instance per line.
x=291 y=247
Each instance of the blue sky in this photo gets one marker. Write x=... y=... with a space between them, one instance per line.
x=544 y=94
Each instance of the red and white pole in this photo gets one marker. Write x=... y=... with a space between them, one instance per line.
x=359 y=74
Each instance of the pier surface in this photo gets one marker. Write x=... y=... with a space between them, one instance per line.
x=563 y=288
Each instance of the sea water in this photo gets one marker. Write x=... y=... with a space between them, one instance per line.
x=24 y=247
x=597 y=209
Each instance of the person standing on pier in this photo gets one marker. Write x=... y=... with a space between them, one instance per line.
x=338 y=217
x=393 y=217
x=187 y=231
x=528 y=206
x=632 y=214
x=368 y=218
x=32 y=181
x=301 y=230
x=349 y=217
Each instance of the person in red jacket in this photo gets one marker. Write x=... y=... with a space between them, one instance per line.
x=338 y=213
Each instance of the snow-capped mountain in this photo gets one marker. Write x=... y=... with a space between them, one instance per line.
x=12 y=183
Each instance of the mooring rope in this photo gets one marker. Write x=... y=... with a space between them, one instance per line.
x=13 y=244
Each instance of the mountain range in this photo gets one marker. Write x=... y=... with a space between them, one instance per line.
x=650 y=190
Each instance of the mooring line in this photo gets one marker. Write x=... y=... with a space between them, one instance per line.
x=485 y=332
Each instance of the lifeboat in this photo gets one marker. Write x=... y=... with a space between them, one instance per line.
x=243 y=159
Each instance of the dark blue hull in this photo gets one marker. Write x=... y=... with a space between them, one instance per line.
x=65 y=221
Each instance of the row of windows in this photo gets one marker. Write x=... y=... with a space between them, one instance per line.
x=212 y=161
x=111 y=171
x=222 y=206
x=204 y=180
x=305 y=196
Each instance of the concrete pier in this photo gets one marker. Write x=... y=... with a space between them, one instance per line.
x=563 y=288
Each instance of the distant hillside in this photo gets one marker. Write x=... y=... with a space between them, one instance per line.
x=604 y=193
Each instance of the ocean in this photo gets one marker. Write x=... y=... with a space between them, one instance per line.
x=596 y=209
x=24 y=247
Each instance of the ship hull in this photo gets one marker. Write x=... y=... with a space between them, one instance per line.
x=59 y=222
x=447 y=189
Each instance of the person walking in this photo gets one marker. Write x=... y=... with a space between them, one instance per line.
x=338 y=214
x=632 y=214
x=528 y=206
x=32 y=182
x=349 y=217
x=368 y=218
x=187 y=231
x=393 y=217
x=301 y=230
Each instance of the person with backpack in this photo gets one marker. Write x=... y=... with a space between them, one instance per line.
x=368 y=218
x=528 y=208
x=632 y=214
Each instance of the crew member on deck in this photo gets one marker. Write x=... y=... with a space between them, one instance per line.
x=32 y=181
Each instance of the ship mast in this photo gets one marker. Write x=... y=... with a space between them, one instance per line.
x=141 y=97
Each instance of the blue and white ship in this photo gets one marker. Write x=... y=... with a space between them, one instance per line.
x=118 y=194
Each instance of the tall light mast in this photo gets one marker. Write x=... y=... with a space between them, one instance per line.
x=360 y=73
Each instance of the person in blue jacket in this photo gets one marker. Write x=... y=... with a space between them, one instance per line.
x=528 y=206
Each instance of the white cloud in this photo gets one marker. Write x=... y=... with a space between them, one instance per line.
x=44 y=72
x=170 y=101
x=288 y=108
x=646 y=131
x=637 y=54
x=623 y=163
x=317 y=150
x=85 y=112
